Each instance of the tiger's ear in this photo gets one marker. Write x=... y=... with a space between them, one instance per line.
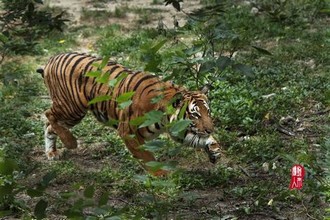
x=206 y=88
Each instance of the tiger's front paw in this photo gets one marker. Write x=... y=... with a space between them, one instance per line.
x=160 y=173
x=53 y=155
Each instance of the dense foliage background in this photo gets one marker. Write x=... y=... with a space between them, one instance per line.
x=267 y=63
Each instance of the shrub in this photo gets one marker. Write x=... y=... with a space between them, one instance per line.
x=22 y=23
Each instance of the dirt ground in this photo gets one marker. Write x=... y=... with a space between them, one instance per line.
x=75 y=7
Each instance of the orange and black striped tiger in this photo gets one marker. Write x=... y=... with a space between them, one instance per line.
x=71 y=90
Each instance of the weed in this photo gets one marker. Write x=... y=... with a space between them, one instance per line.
x=120 y=12
x=95 y=15
x=144 y=18
x=157 y=2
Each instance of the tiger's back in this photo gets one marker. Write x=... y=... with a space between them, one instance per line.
x=71 y=90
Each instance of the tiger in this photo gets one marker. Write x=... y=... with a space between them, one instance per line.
x=71 y=91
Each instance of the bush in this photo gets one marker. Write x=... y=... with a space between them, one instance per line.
x=291 y=12
x=22 y=23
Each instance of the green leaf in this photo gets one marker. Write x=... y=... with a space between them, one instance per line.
x=154 y=165
x=207 y=66
x=244 y=69
x=141 y=178
x=89 y=192
x=104 y=62
x=125 y=97
x=289 y=158
x=114 y=82
x=104 y=198
x=3 y=38
x=263 y=51
x=157 y=47
x=170 y=165
x=124 y=105
x=157 y=99
x=34 y=192
x=96 y=73
x=114 y=218
x=47 y=178
x=111 y=122
x=161 y=183
x=179 y=59
x=150 y=56
x=175 y=3
x=7 y=166
x=179 y=126
x=96 y=211
x=183 y=110
x=197 y=48
x=6 y=190
x=152 y=66
x=170 y=110
x=5 y=213
x=101 y=98
x=99 y=212
x=30 y=8
x=152 y=117
x=137 y=121
x=67 y=195
x=325 y=11
x=88 y=202
x=78 y=204
x=154 y=145
x=223 y=62
x=40 y=209
x=103 y=79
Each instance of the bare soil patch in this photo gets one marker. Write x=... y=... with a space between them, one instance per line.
x=165 y=13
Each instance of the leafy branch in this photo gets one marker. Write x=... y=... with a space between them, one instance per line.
x=22 y=23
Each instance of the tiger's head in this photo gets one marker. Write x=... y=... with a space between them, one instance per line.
x=199 y=132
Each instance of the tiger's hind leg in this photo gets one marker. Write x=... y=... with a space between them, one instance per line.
x=58 y=127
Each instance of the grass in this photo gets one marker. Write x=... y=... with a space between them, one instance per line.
x=249 y=124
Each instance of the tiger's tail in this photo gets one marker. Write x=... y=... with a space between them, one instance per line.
x=41 y=71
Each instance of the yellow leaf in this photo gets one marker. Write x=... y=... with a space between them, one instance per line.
x=61 y=41
x=267 y=117
x=270 y=202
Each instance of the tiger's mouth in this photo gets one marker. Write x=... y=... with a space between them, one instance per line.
x=206 y=142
